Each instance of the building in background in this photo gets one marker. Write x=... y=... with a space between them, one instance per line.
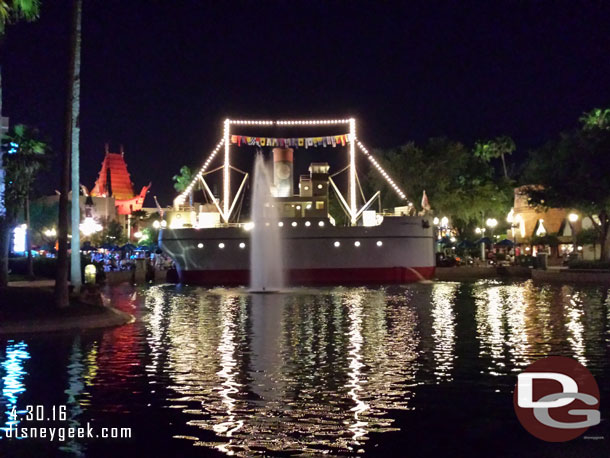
x=531 y=225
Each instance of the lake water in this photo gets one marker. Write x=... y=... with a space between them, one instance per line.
x=417 y=370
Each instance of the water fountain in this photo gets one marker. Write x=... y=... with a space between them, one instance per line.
x=266 y=261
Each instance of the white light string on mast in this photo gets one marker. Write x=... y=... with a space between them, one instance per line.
x=182 y=197
x=380 y=169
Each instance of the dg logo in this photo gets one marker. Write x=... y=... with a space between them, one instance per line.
x=556 y=399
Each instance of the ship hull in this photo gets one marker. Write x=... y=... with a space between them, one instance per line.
x=400 y=250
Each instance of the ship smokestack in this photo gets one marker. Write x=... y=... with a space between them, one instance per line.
x=282 y=172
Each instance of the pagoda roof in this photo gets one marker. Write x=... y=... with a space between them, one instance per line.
x=119 y=186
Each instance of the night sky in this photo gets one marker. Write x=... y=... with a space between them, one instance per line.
x=159 y=76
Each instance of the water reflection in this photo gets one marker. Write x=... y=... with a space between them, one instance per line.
x=311 y=372
x=303 y=371
x=12 y=382
x=443 y=329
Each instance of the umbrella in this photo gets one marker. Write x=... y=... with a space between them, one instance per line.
x=144 y=248
x=128 y=247
x=505 y=243
x=446 y=241
x=485 y=240
x=108 y=246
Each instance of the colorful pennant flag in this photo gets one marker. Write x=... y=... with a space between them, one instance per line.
x=306 y=142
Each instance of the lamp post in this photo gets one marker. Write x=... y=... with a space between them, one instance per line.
x=573 y=217
x=481 y=231
x=491 y=224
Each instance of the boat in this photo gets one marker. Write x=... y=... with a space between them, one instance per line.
x=210 y=245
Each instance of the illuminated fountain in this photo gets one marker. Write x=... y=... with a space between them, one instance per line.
x=266 y=262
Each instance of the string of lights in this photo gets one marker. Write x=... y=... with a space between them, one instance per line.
x=224 y=141
x=381 y=170
x=182 y=197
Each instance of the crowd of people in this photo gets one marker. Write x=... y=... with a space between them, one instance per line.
x=114 y=261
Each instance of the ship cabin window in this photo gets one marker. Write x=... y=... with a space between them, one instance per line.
x=320 y=205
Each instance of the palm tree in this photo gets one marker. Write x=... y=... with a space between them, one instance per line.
x=10 y=11
x=183 y=180
x=26 y=156
x=75 y=273
x=14 y=10
x=62 y=298
x=496 y=148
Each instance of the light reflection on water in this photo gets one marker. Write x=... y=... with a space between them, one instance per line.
x=311 y=371
x=13 y=373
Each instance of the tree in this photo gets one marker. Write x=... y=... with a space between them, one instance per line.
x=75 y=270
x=112 y=234
x=43 y=217
x=572 y=172
x=183 y=180
x=16 y=10
x=496 y=148
x=459 y=184
x=598 y=118
x=10 y=11
x=61 y=293
x=25 y=156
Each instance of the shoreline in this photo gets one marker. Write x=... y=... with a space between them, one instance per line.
x=570 y=276
x=30 y=310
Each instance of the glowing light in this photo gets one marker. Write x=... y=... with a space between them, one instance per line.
x=511 y=216
x=200 y=245
x=308 y=207
x=337 y=244
x=579 y=248
x=226 y=176
x=89 y=226
x=50 y=232
x=540 y=230
x=491 y=222
x=156 y=224
x=249 y=226
x=352 y=170
x=452 y=239
x=573 y=217
x=19 y=238
x=444 y=221
x=435 y=221
x=379 y=243
x=138 y=235
x=294 y=224
x=321 y=224
x=182 y=197
x=380 y=169
x=307 y=223
x=320 y=186
x=242 y=245
x=280 y=224
x=221 y=245
x=356 y=243
x=298 y=207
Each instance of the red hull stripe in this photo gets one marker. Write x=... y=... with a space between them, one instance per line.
x=314 y=276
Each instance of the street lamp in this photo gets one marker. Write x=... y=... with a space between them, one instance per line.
x=573 y=217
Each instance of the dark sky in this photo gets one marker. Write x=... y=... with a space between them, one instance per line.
x=159 y=76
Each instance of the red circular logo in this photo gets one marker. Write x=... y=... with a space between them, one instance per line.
x=556 y=399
